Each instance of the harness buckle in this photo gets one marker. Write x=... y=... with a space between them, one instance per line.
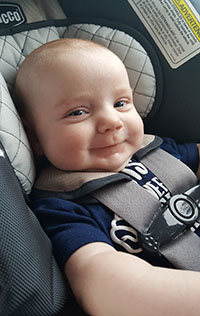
x=172 y=220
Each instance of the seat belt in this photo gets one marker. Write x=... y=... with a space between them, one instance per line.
x=181 y=249
x=141 y=209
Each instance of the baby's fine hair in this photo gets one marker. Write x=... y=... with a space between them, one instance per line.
x=50 y=49
x=43 y=55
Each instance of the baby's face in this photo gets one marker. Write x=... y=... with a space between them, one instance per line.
x=84 y=115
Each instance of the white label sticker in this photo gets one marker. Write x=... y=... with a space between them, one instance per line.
x=174 y=25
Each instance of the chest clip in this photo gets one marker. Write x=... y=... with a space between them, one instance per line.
x=172 y=220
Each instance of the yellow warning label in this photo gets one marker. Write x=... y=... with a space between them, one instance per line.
x=189 y=17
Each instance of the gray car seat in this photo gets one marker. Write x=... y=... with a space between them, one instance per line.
x=31 y=283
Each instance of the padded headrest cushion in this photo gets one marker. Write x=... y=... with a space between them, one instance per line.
x=14 y=48
x=14 y=140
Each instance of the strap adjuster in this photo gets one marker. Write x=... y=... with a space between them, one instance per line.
x=178 y=215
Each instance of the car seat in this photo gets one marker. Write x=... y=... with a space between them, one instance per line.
x=165 y=95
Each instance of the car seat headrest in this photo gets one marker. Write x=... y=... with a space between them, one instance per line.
x=14 y=140
x=14 y=48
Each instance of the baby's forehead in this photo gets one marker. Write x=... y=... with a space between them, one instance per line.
x=51 y=51
x=49 y=61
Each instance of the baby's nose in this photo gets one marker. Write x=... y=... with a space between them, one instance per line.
x=109 y=122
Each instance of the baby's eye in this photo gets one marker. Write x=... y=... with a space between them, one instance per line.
x=120 y=104
x=77 y=113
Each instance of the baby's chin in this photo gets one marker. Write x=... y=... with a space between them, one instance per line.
x=114 y=168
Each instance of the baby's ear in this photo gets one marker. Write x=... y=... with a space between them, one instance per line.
x=32 y=137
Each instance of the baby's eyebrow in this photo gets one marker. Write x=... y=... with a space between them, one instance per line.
x=81 y=96
x=71 y=100
x=124 y=90
x=61 y=103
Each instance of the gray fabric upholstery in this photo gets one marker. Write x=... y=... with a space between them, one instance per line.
x=30 y=280
x=31 y=283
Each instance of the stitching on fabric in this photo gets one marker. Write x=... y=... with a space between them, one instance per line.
x=137 y=71
x=29 y=167
x=2 y=50
x=21 y=55
x=3 y=45
x=1 y=95
x=16 y=138
x=143 y=94
x=48 y=34
x=11 y=45
x=53 y=29
x=114 y=41
x=8 y=63
x=141 y=72
x=23 y=174
x=20 y=142
x=64 y=32
x=149 y=106
x=10 y=109
x=4 y=87
x=128 y=50
x=29 y=36
x=93 y=35
x=78 y=30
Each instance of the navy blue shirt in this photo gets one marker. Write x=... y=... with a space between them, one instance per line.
x=71 y=225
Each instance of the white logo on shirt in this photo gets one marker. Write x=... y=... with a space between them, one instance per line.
x=124 y=235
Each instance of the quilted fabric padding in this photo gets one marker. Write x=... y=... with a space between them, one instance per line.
x=13 y=50
x=13 y=138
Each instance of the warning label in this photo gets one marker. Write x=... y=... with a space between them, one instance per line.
x=188 y=16
x=174 y=25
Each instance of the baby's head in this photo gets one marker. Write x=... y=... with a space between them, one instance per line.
x=76 y=102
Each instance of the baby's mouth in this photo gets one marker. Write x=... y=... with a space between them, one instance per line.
x=107 y=150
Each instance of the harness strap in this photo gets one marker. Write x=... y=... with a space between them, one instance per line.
x=179 y=177
x=183 y=252
x=140 y=206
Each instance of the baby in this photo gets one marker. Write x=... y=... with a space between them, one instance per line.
x=76 y=103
